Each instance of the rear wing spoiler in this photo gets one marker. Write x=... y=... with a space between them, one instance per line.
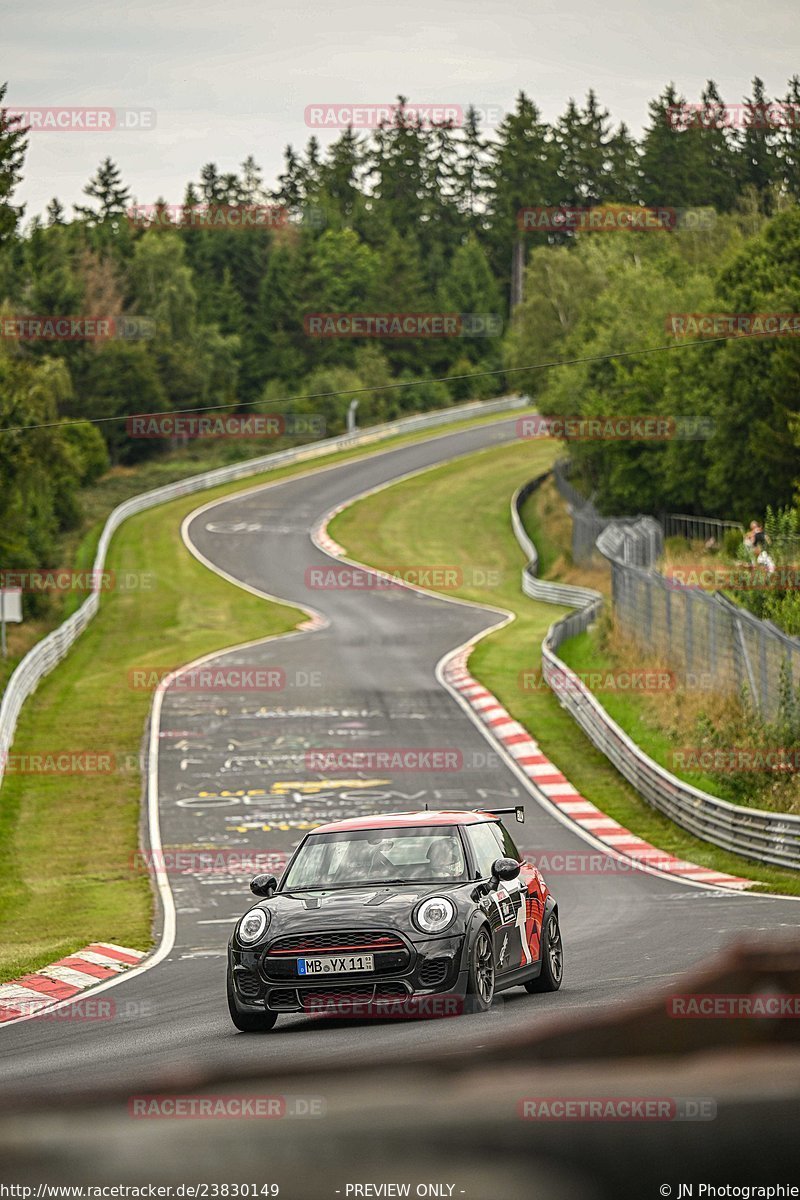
x=518 y=810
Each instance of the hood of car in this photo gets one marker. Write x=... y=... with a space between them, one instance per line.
x=390 y=904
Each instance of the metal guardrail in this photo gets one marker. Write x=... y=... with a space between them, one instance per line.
x=48 y=652
x=698 y=529
x=766 y=837
x=539 y=589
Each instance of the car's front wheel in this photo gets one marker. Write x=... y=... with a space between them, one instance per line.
x=480 y=984
x=552 y=959
x=245 y=1021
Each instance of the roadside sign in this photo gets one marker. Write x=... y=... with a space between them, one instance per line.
x=11 y=604
x=10 y=610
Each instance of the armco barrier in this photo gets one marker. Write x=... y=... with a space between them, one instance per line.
x=767 y=837
x=45 y=655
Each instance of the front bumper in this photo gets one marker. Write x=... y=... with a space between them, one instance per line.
x=431 y=967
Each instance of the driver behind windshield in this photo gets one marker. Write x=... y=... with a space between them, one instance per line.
x=365 y=862
x=444 y=856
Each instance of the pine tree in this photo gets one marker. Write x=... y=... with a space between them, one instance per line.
x=522 y=174
x=107 y=190
x=789 y=139
x=290 y=191
x=759 y=162
x=567 y=137
x=231 y=188
x=581 y=139
x=211 y=185
x=13 y=145
x=251 y=183
x=311 y=170
x=670 y=165
x=716 y=153
x=341 y=173
x=445 y=225
x=55 y=212
x=471 y=173
x=277 y=346
x=397 y=164
x=470 y=289
x=624 y=167
x=594 y=162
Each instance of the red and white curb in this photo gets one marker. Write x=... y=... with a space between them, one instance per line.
x=323 y=540
x=561 y=793
x=31 y=994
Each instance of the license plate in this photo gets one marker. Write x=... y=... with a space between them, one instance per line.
x=334 y=966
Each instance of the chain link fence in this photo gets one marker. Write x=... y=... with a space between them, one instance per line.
x=700 y=632
x=638 y=540
x=706 y=635
x=764 y=836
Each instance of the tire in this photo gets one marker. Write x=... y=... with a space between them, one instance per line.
x=248 y=1022
x=481 y=975
x=549 y=980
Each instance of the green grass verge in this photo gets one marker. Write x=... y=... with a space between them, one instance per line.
x=584 y=655
x=459 y=514
x=67 y=841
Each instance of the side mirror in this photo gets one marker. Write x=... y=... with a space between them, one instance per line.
x=263 y=885
x=505 y=868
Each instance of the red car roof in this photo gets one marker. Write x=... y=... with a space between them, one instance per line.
x=393 y=820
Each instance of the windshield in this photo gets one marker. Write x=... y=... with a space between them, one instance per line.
x=364 y=856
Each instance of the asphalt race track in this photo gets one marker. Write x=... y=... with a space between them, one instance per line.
x=234 y=774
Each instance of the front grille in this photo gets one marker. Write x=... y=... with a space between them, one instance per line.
x=391 y=955
x=391 y=991
x=345 y=941
x=282 y=998
x=334 y=996
x=342 y=996
x=434 y=971
x=248 y=984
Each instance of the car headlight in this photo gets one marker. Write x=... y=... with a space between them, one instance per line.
x=434 y=914
x=253 y=925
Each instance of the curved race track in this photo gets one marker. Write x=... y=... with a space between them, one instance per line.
x=367 y=678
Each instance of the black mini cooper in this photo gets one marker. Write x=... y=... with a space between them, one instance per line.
x=422 y=913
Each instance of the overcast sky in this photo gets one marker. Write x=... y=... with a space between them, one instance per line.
x=234 y=77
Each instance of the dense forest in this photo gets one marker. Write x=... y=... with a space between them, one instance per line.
x=421 y=219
